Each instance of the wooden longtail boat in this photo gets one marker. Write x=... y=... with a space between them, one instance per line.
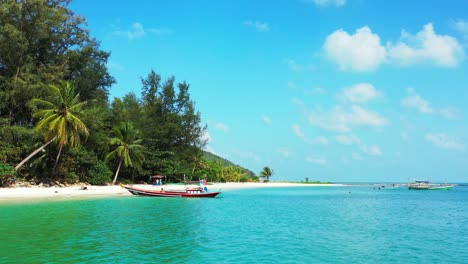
x=197 y=192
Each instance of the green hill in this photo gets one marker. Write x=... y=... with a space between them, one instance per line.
x=212 y=157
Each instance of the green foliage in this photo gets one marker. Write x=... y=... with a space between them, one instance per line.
x=6 y=170
x=15 y=143
x=267 y=173
x=42 y=42
x=100 y=174
x=128 y=150
x=72 y=178
x=317 y=182
x=244 y=178
x=7 y=173
x=60 y=119
x=60 y=116
x=212 y=157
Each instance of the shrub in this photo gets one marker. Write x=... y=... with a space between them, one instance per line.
x=72 y=178
x=244 y=178
x=100 y=174
x=7 y=174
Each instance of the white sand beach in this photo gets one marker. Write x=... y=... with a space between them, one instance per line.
x=33 y=193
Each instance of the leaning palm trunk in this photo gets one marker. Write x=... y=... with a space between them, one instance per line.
x=58 y=157
x=117 y=172
x=34 y=153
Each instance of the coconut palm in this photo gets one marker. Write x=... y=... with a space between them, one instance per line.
x=129 y=152
x=60 y=117
x=266 y=172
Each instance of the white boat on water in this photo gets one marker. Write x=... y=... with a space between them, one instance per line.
x=426 y=185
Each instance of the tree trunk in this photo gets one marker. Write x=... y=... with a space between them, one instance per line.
x=117 y=172
x=58 y=157
x=193 y=170
x=34 y=153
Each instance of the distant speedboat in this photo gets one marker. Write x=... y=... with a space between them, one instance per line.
x=426 y=185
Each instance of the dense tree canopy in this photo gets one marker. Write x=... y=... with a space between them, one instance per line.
x=43 y=42
x=49 y=68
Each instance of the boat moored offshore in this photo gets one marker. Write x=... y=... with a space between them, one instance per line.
x=426 y=185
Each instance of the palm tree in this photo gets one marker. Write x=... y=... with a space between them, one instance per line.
x=266 y=172
x=128 y=151
x=60 y=117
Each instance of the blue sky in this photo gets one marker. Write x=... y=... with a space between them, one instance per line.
x=332 y=90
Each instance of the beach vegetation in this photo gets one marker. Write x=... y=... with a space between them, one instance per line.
x=128 y=151
x=60 y=118
x=7 y=174
x=54 y=99
x=100 y=174
x=266 y=172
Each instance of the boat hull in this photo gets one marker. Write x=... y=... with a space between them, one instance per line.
x=164 y=193
x=430 y=187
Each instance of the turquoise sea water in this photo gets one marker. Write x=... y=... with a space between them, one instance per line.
x=275 y=225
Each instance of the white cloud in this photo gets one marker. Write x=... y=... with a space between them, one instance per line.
x=115 y=66
x=239 y=156
x=293 y=65
x=426 y=47
x=137 y=31
x=298 y=102
x=266 y=119
x=298 y=131
x=461 y=26
x=415 y=101
x=359 y=52
x=210 y=149
x=259 y=26
x=362 y=51
x=315 y=91
x=444 y=141
x=222 y=127
x=292 y=85
x=320 y=161
x=404 y=136
x=348 y=139
x=449 y=113
x=285 y=153
x=342 y=120
x=328 y=3
x=218 y=126
x=373 y=150
x=361 y=93
x=356 y=156
x=207 y=137
x=318 y=140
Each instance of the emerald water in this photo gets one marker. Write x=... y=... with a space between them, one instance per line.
x=274 y=225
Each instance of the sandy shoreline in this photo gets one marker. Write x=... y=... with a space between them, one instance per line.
x=33 y=193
